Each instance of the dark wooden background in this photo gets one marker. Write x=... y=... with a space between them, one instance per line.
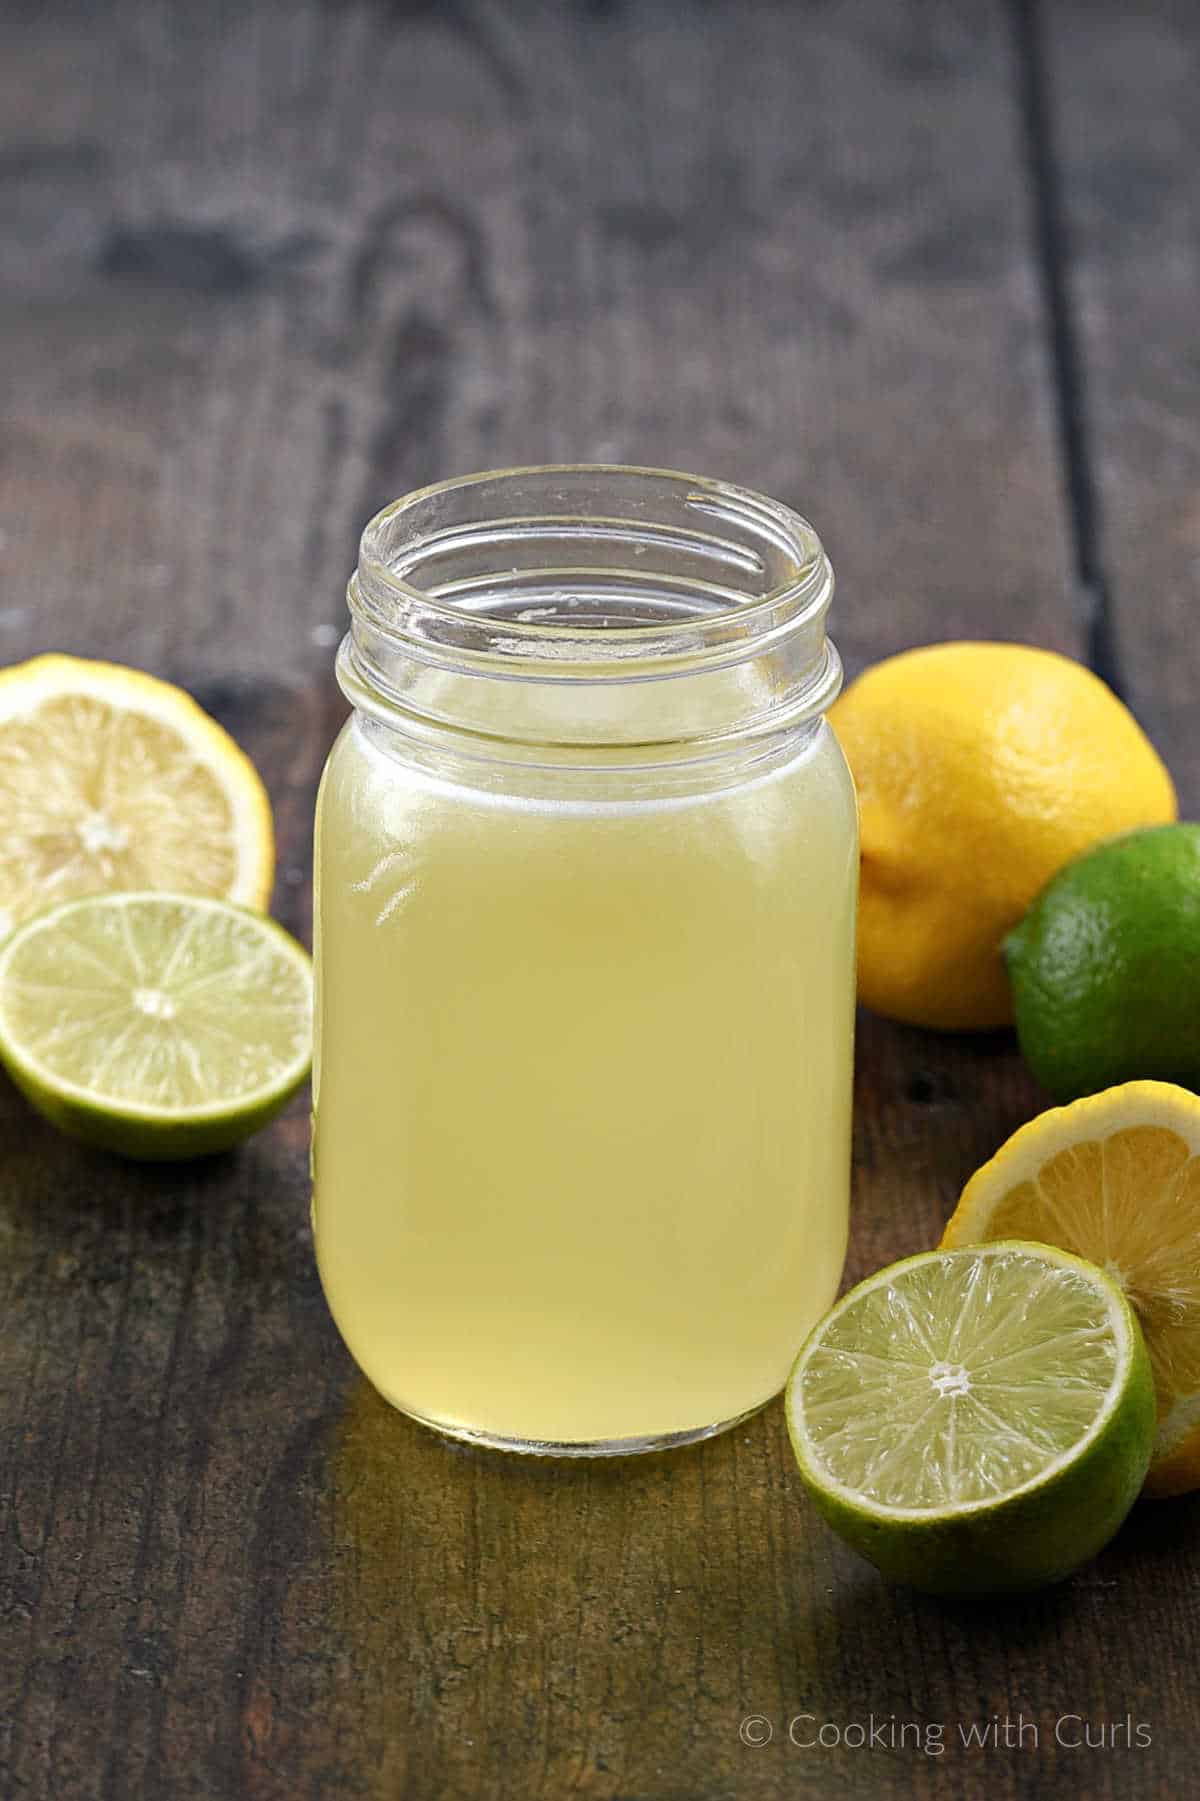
x=927 y=270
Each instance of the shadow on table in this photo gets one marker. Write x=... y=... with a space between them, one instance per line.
x=590 y=1624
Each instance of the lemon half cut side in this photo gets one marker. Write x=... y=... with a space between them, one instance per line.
x=113 y=780
x=1116 y=1178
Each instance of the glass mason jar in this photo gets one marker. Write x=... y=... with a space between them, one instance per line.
x=586 y=876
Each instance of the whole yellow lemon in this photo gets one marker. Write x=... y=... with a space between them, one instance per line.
x=981 y=769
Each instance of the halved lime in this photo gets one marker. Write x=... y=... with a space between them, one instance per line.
x=156 y=1025
x=977 y=1420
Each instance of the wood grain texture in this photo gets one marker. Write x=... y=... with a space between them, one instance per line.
x=265 y=267
x=1127 y=142
x=270 y=267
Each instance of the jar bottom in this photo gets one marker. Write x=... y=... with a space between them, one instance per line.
x=597 y=1447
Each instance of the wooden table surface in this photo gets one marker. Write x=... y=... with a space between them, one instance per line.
x=928 y=271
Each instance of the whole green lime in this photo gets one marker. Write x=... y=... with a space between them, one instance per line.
x=1105 y=966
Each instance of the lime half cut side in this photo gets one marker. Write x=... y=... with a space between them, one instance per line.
x=975 y=1421
x=155 y=1025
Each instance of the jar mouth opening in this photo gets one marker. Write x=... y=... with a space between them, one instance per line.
x=583 y=568
x=591 y=606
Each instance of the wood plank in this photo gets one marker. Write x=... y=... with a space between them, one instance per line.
x=1128 y=144
x=1122 y=153
x=268 y=271
x=264 y=268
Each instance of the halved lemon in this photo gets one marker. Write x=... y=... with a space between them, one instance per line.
x=111 y=780
x=1115 y=1178
x=155 y=1025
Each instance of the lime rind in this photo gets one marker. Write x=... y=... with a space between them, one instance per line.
x=1103 y=967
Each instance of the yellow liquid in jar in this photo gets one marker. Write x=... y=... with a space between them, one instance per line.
x=582 y=1092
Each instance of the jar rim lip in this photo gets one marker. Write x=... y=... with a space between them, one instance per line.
x=804 y=595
